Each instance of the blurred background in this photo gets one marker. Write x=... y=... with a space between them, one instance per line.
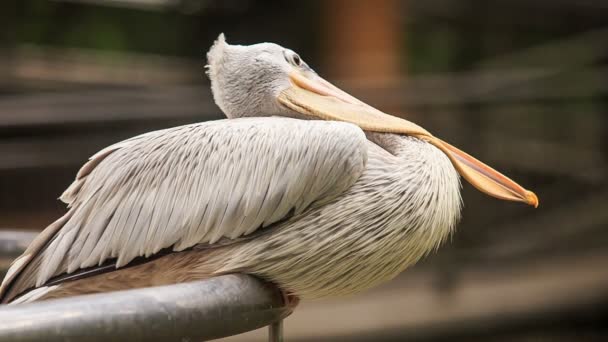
x=521 y=84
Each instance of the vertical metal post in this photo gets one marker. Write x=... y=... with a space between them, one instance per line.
x=275 y=331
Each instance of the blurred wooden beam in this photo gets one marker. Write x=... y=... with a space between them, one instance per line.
x=583 y=9
x=363 y=39
x=156 y=5
x=583 y=49
x=107 y=105
x=39 y=64
x=488 y=87
x=586 y=164
x=564 y=229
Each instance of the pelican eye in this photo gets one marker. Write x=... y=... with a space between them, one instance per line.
x=296 y=60
x=293 y=58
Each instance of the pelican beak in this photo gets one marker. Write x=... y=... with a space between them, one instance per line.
x=312 y=96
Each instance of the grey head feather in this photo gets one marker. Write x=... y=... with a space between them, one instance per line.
x=245 y=80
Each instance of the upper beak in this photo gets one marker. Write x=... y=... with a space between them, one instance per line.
x=311 y=95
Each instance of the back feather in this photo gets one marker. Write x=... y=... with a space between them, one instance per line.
x=190 y=185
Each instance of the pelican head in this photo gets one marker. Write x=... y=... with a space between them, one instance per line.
x=267 y=79
x=247 y=80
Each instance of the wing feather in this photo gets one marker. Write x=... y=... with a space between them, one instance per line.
x=192 y=185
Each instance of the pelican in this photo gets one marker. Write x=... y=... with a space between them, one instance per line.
x=302 y=185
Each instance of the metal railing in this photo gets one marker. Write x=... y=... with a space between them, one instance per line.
x=202 y=310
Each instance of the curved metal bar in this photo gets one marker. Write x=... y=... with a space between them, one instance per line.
x=202 y=310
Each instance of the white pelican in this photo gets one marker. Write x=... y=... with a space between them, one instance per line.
x=303 y=185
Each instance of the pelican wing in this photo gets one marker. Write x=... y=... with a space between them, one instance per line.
x=190 y=185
